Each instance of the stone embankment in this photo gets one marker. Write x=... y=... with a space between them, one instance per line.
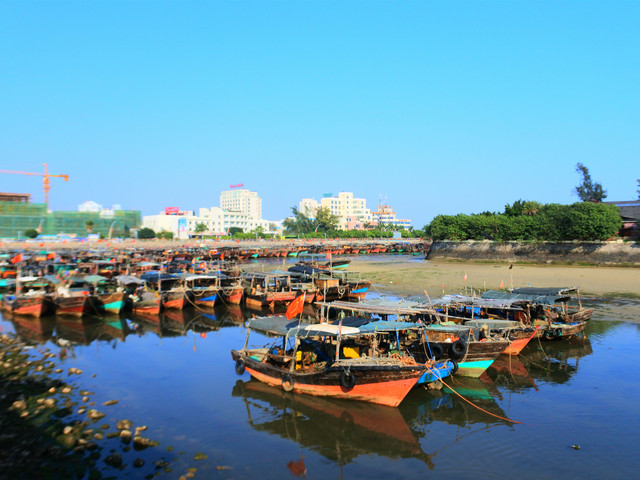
x=596 y=253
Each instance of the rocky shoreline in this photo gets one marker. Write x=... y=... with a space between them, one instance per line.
x=51 y=428
x=594 y=253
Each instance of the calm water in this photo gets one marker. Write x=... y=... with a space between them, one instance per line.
x=175 y=374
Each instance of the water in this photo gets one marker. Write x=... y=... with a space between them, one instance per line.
x=175 y=374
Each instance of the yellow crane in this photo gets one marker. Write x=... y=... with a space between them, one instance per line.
x=45 y=182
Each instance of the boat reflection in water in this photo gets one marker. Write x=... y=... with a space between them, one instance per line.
x=32 y=330
x=477 y=407
x=555 y=362
x=349 y=429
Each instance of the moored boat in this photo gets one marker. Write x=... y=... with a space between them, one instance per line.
x=326 y=360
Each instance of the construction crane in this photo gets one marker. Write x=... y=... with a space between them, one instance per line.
x=45 y=182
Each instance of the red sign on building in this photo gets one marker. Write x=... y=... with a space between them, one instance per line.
x=171 y=211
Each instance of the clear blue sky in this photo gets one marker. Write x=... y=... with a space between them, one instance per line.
x=441 y=107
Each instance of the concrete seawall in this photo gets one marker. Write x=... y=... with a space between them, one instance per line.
x=599 y=253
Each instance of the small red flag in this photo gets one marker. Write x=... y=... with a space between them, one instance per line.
x=502 y=284
x=16 y=259
x=465 y=277
x=203 y=334
x=295 y=307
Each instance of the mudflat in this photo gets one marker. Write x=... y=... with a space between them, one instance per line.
x=406 y=277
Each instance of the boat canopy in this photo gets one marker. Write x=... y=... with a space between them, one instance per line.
x=543 y=296
x=274 y=325
x=95 y=278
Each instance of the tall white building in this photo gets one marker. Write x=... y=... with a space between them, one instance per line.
x=242 y=201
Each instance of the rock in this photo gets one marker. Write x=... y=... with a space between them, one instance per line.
x=110 y=402
x=124 y=424
x=95 y=415
x=141 y=428
x=81 y=410
x=85 y=399
x=125 y=436
x=67 y=430
x=200 y=456
x=52 y=390
x=49 y=403
x=66 y=390
x=138 y=462
x=114 y=460
x=19 y=405
x=140 y=443
x=98 y=436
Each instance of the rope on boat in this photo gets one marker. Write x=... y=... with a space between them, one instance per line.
x=471 y=403
x=192 y=303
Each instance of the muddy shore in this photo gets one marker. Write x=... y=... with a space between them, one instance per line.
x=405 y=276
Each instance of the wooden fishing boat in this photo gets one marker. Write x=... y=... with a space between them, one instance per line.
x=472 y=348
x=268 y=289
x=172 y=292
x=325 y=361
x=519 y=334
x=33 y=297
x=141 y=299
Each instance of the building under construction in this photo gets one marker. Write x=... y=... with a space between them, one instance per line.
x=18 y=216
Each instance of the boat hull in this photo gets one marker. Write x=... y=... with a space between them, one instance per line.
x=30 y=306
x=381 y=385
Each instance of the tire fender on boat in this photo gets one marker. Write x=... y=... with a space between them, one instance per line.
x=436 y=350
x=240 y=367
x=458 y=348
x=287 y=383
x=454 y=366
x=347 y=380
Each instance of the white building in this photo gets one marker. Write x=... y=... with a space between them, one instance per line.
x=347 y=209
x=89 y=206
x=386 y=216
x=242 y=201
x=309 y=207
x=217 y=220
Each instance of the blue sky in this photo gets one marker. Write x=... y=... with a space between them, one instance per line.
x=439 y=107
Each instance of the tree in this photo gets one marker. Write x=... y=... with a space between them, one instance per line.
x=301 y=223
x=588 y=191
x=522 y=207
x=89 y=225
x=146 y=233
x=165 y=235
x=31 y=233
x=200 y=228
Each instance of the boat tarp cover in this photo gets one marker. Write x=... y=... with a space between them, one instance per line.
x=307 y=270
x=480 y=302
x=530 y=297
x=129 y=279
x=386 y=326
x=275 y=325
